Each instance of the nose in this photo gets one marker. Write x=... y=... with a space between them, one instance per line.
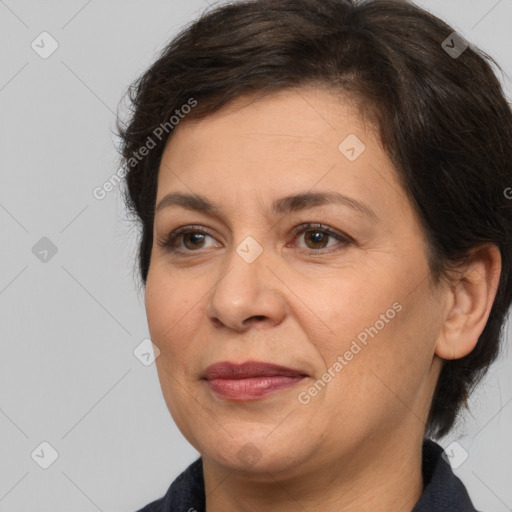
x=247 y=294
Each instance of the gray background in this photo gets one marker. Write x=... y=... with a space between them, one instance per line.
x=68 y=375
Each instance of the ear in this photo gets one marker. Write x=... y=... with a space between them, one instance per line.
x=469 y=302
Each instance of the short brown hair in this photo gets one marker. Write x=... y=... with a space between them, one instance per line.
x=442 y=118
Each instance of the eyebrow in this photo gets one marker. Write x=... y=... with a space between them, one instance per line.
x=287 y=204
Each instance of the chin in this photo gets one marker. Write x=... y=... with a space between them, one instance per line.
x=255 y=452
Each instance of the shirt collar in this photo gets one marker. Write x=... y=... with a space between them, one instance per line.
x=443 y=491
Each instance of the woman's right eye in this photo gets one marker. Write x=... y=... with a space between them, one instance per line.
x=191 y=238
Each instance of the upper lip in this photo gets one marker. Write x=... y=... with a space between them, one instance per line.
x=229 y=370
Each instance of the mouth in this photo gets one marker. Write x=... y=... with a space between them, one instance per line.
x=251 y=380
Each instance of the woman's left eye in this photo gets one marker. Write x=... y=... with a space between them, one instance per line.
x=316 y=237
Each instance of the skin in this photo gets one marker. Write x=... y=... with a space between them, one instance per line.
x=356 y=446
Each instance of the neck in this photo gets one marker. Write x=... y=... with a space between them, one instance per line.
x=375 y=477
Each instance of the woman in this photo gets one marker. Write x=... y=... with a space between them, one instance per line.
x=326 y=249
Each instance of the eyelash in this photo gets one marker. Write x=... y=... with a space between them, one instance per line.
x=169 y=243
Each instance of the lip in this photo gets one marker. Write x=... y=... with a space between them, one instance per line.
x=229 y=370
x=250 y=380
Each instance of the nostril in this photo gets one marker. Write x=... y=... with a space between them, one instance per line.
x=256 y=317
x=216 y=321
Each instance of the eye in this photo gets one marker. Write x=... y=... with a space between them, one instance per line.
x=192 y=237
x=317 y=236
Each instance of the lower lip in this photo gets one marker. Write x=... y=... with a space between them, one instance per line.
x=251 y=388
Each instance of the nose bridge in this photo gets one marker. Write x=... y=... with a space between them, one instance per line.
x=247 y=287
x=247 y=274
x=251 y=233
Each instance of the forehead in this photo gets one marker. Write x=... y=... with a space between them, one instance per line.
x=290 y=140
x=283 y=119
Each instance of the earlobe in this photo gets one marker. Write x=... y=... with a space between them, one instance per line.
x=469 y=304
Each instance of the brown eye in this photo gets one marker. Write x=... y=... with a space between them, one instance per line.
x=193 y=240
x=317 y=237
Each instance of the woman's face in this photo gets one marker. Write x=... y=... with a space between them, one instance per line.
x=347 y=305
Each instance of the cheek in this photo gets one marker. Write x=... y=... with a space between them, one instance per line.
x=159 y=308
x=350 y=303
x=393 y=367
x=384 y=333
x=167 y=301
x=168 y=308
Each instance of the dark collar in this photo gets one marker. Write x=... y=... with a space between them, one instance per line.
x=443 y=491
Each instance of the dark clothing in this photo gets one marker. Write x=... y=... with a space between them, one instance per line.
x=443 y=490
